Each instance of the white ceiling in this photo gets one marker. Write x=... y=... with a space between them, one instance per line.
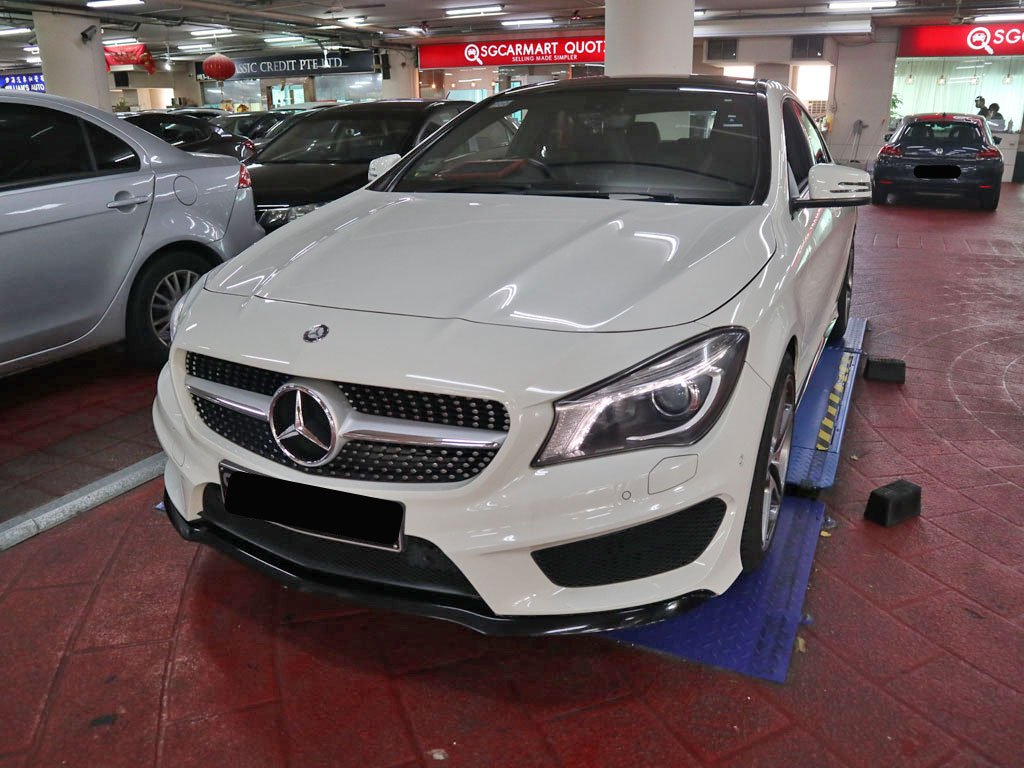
x=165 y=24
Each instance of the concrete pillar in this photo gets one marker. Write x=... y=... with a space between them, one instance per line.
x=649 y=37
x=403 y=83
x=73 y=67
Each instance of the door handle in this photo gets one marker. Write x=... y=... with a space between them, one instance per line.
x=127 y=202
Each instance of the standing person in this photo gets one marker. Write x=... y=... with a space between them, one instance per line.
x=995 y=118
x=979 y=103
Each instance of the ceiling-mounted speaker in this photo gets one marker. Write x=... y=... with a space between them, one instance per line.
x=120 y=79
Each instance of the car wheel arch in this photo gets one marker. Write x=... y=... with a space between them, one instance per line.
x=208 y=254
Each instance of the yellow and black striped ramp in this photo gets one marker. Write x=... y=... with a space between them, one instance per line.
x=821 y=418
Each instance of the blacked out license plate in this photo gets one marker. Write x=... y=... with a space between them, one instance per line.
x=311 y=509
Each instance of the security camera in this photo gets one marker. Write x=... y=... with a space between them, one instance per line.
x=88 y=33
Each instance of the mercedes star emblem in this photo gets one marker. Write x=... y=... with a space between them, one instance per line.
x=315 y=333
x=303 y=426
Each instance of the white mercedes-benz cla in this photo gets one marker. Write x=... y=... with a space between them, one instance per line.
x=538 y=377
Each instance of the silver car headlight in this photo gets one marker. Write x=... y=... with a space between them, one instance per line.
x=673 y=399
x=184 y=304
x=277 y=217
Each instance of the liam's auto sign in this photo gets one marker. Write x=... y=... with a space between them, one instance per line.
x=963 y=40
x=568 y=50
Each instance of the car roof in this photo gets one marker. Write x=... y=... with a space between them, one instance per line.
x=711 y=82
x=390 y=105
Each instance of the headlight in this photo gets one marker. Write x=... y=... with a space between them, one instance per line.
x=184 y=303
x=673 y=399
x=277 y=217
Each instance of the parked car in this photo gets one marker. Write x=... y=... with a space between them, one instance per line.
x=193 y=134
x=940 y=153
x=252 y=125
x=204 y=113
x=102 y=228
x=540 y=382
x=327 y=152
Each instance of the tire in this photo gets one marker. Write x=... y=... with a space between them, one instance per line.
x=157 y=289
x=989 y=199
x=844 y=302
x=768 y=486
x=879 y=196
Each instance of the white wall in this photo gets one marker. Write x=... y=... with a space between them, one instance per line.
x=403 y=82
x=181 y=79
x=862 y=91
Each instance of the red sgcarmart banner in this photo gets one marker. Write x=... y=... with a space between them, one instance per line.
x=568 y=50
x=120 y=55
x=963 y=40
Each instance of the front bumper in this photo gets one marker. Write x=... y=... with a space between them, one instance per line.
x=491 y=526
x=468 y=612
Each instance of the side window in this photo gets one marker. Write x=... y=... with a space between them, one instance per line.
x=798 y=151
x=819 y=152
x=178 y=132
x=111 y=154
x=40 y=145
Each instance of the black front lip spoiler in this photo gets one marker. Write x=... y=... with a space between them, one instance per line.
x=473 y=614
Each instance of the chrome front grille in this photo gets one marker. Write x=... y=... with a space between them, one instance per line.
x=398 y=436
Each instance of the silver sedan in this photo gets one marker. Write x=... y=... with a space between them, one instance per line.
x=103 y=227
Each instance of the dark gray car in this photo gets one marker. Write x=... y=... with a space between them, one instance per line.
x=103 y=227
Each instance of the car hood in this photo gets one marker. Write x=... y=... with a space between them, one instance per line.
x=304 y=183
x=563 y=264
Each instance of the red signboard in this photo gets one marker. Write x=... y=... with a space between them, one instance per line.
x=122 y=55
x=567 y=50
x=963 y=40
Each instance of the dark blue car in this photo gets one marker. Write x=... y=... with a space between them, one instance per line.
x=940 y=153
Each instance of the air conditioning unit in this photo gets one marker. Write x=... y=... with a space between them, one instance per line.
x=722 y=49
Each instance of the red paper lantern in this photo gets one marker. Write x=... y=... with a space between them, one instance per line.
x=219 y=67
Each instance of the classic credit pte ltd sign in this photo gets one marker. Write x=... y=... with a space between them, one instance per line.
x=963 y=40
x=299 y=65
x=568 y=50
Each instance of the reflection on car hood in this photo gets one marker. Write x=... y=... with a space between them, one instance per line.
x=304 y=183
x=564 y=264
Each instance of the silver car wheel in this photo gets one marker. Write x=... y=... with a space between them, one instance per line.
x=778 y=463
x=167 y=293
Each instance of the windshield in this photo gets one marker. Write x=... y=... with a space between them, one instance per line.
x=341 y=138
x=663 y=143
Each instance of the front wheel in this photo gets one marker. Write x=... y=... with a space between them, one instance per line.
x=158 y=287
x=768 y=488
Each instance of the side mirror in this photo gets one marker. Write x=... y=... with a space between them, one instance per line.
x=835 y=186
x=381 y=165
x=997 y=139
x=887 y=136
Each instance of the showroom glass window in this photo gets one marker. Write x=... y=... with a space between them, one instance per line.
x=354 y=137
x=656 y=143
x=41 y=146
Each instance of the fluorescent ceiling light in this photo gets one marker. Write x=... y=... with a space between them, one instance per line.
x=1000 y=17
x=194 y=47
x=34 y=60
x=527 y=22
x=33 y=49
x=225 y=32
x=483 y=10
x=283 y=39
x=112 y=3
x=15 y=31
x=354 y=20
x=329 y=26
x=411 y=30
x=860 y=5
x=121 y=41
x=698 y=14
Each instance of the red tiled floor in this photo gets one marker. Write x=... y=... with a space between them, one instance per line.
x=124 y=645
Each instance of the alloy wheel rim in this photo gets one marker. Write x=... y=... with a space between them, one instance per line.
x=166 y=294
x=778 y=463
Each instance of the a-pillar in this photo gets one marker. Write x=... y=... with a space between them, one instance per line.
x=73 y=66
x=648 y=37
